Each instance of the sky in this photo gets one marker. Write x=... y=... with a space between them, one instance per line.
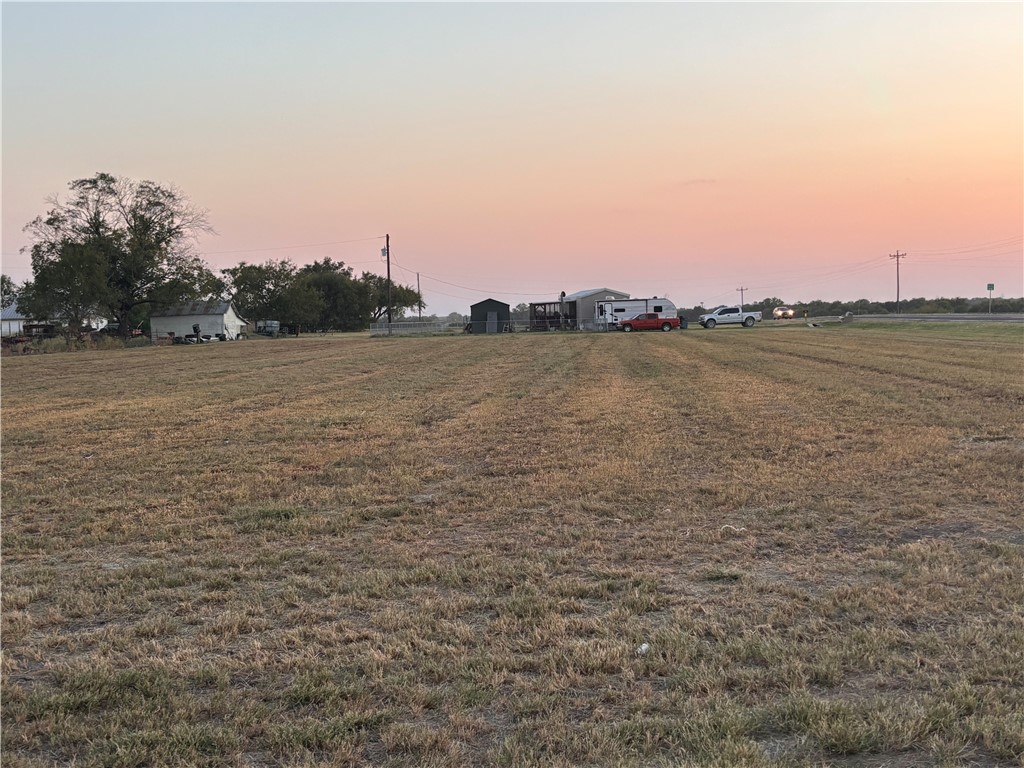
x=514 y=151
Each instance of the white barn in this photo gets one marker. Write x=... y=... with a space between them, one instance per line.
x=13 y=321
x=215 y=317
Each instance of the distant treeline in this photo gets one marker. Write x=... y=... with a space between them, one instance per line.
x=920 y=306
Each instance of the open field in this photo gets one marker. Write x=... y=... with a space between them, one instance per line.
x=447 y=551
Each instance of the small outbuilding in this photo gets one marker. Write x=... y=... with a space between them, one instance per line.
x=215 y=318
x=490 y=316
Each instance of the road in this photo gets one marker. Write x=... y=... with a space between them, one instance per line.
x=974 y=317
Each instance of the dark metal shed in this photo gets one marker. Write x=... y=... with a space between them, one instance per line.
x=490 y=316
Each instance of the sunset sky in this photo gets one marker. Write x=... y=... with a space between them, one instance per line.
x=518 y=150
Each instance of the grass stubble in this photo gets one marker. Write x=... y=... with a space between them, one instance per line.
x=447 y=551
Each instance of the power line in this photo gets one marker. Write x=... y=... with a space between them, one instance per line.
x=876 y=262
x=937 y=252
x=721 y=295
x=835 y=274
x=828 y=268
x=970 y=248
x=293 y=247
x=842 y=272
x=474 y=289
x=979 y=258
x=477 y=291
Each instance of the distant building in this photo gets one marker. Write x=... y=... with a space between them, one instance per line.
x=586 y=303
x=490 y=316
x=574 y=311
x=214 y=317
x=13 y=321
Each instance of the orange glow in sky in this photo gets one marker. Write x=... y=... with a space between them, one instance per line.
x=519 y=150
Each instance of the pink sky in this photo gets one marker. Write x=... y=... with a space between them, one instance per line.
x=524 y=149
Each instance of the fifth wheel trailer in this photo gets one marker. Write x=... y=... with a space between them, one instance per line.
x=608 y=314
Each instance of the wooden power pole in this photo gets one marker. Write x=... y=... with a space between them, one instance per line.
x=387 y=250
x=897 y=256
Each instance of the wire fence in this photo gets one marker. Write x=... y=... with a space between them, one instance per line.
x=414 y=327
x=445 y=327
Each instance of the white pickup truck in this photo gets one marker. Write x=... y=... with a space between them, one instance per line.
x=724 y=315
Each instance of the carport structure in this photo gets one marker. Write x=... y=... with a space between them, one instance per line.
x=573 y=312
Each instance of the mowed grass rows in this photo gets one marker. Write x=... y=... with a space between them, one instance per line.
x=448 y=551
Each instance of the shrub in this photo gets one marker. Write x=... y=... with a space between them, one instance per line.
x=107 y=342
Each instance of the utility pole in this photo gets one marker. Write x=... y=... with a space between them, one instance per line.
x=387 y=250
x=419 y=306
x=897 y=256
x=741 y=290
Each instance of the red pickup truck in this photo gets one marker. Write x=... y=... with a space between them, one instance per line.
x=649 y=321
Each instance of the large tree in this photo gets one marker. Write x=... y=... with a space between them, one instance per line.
x=323 y=294
x=141 y=235
x=258 y=290
x=301 y=306
x=402 y=297
x=345 y=300
x=70 y=288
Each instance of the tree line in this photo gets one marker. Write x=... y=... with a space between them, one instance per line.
x=324 y=295
x=120 y=249
x=819 y=308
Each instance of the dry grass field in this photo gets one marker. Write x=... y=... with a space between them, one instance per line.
x=447 y=551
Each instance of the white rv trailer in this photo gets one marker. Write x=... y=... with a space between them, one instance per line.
x=608 y=314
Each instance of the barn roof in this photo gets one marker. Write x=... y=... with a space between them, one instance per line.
x=209 y=307
x=495 y=301
x=10 y=312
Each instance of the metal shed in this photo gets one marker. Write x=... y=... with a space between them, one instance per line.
x=490 y=316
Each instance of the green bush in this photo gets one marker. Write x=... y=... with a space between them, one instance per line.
x=57 y=344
